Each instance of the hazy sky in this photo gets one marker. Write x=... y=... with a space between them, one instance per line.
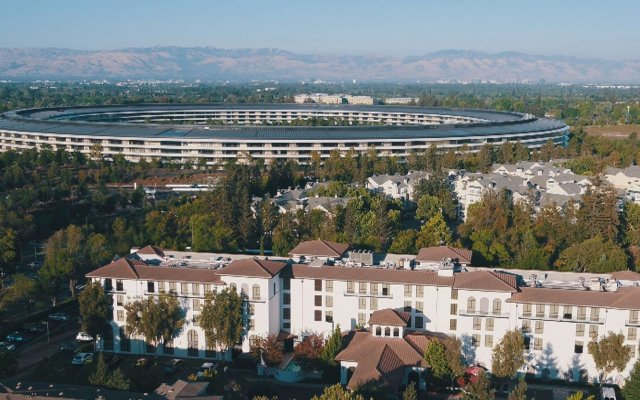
x=585 y=28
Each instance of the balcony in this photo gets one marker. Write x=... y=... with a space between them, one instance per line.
x=478 y=313
x=634 y=322
x=356 y=294
x=560 y=318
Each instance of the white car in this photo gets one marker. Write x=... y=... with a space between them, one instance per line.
x=82 y=358
x=83 y=337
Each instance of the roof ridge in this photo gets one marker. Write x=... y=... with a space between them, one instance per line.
x=326 y=243
x=131 y=266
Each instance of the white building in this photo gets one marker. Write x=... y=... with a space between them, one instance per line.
x=293 y=300
x=396 y=186
x=626 y=180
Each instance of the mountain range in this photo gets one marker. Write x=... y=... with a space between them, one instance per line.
x=215 y=64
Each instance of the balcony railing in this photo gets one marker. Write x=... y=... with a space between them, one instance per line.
x=356 y=294
x=479 y=313
x=633 y=322
x=560 y=318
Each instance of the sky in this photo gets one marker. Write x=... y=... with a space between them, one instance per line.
x=582 y=28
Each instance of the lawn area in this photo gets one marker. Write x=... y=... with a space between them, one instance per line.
x=612 y=131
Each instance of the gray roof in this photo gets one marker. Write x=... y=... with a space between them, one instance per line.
x=70 y=121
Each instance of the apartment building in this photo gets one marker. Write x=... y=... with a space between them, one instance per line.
x=291 y=300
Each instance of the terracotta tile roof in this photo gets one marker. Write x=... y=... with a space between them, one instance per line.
x=319 y=248
x=148 y=249
x=437 y=254
x=253 y=267
x=486 y=281
x=626 y=276
x=625 y=298
x=132 y=269
x=370 y=275
x=379 y=359
x=389 y=316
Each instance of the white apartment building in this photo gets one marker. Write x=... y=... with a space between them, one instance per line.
x=294 y=300
x=626 y=180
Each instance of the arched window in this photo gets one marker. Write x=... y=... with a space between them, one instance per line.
x=471 y=304
x=192 y=343
x=378 y=331
x=396 y=332
x=497 y=306
x=255 y=292
x=387 y=331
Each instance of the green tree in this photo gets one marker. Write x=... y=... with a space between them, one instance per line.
x=580 y=396
x=435 y=356
x=8 y=241
x=593 y=255
x=519 y=392
x=480 y=389
x=8 y=363
x=428 y=207
x=631 y=389
x=337 y=392
x=410 y=393
x=598 y=214
x=332 y=347
x=118 y=381
x=453 y=352
x=65 y=256
x=434 y=233
x=155 y=320
x=609 y=354
x=98 y=249
x=404 y=242
x=221 y=318
x=100 y=375
x=94 y=308
x=22 y=291
x=508 y=355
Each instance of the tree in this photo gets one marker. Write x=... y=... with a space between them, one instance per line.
x=428 y=206
x=8 y=241
x=479 y=389
x=94 y=308
x=519 y=392
x=332 y=347
x=269 y=350
x=117 y=380
x=508 y=355
x=453 y=352
x=100 y=376
x=631 y=389
x=98 y=249
x=593 y=255
x=434 y=233
x=65 y=256
x=598 y=214
x=609 y=354
x=404 y=242
x=22 y=290
x=155 y=320
x=8 y=363
x=580 y=396
x=337 y=392
x=435 y=356
x=410 y=392
x=308 y=353
x=221 y=318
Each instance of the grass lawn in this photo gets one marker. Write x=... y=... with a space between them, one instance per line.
x=612 y=131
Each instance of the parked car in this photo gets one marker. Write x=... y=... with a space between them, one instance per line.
x=68 y=347
x=7 y=346
x=207 y=370
x=82 y=358
x=83 y=337
x=142 y=362
x=16 y=337
x=59 y=316
x=33 y=327
x=113 y=361
x=172 y=366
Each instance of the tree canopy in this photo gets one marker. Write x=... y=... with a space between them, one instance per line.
x=222 y=318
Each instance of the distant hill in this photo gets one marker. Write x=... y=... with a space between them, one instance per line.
x=209 y=63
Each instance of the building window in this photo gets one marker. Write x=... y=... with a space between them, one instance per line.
x=407 y=305
x=194 y=320
x=632 y=334
x=595 y=314
x=119 y=286
x=471 y=304
x=378 y=331
x=328 y=286
x=526 y=310
x=125 y=342
x=255 y=292
x=488 y=341
x=419 y=323
x=453 y=309
x=362 y=288
x=286 y=313
x=540 y=310
x=207 y=288
x=286 y=298
x=172 y=288
x=328 y=316
x=419 y=291
x=396 y=332
x=362 y=303
x=497 y=307
x=537 y=343
x=161 y=287
x=475 y=340
x=408 y=290
x=252 y=324
x=386 y=289
x=593 y=331
x=526 y=326
x=579 y=347
x=286 y=284
x=477 y=323
x=580 y=330
x=453 y=324
x=286 y=325
x=567 y=312
x=108 y=285
x=196 y=305
x=554 y=310
x=317 y=285
x=362 y=319
x=489 y=322
x=317 y=301
x=633 y=316
x=195 y=289
x=539 y=327
x=120 y=315
x=454 y=294
x=120 y=299
x=317 y=315
x=387 y=331
x=151 y=287
x=582 y=313
x=184 y=288
x=632 y=350
x=192 y=343
x=328 y=301
x=373 y=303
x=527 y=342
x=373 y=288
x=350 y=286
x=419 y=306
